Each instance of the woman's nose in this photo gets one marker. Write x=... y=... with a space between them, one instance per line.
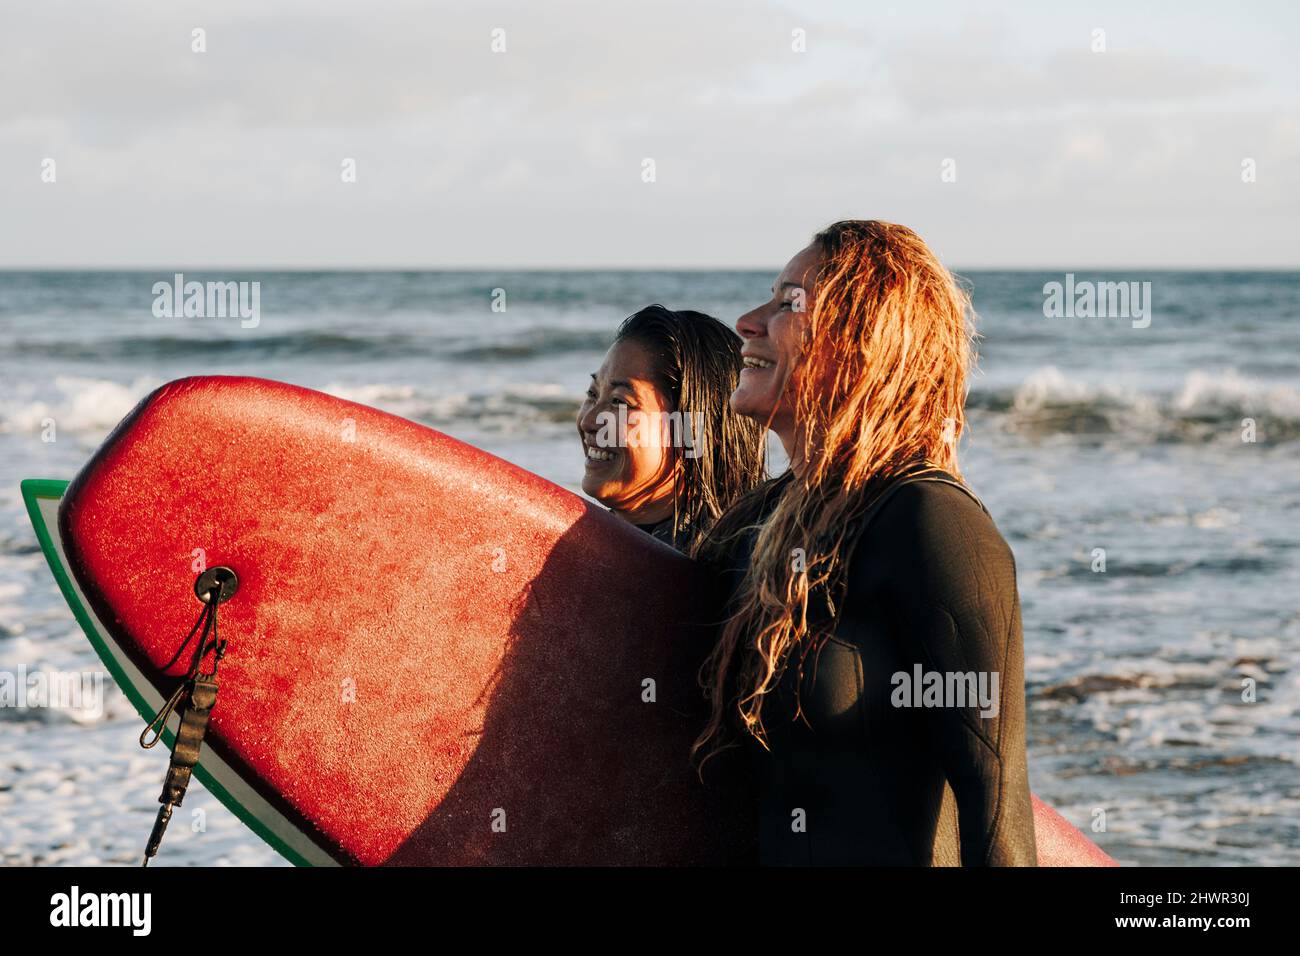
x=587 y=417
x=751 y=324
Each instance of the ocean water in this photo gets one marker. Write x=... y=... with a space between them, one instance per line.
x=1086 y=434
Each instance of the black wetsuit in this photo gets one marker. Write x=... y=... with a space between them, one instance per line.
x=931 y=583
x=663 y=530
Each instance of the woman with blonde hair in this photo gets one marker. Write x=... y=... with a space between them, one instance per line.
x=871 y=663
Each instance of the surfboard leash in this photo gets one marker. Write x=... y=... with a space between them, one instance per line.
x=198 y=691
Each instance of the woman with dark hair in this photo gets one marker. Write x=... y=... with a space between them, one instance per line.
x=871 y=664
x=663 y=448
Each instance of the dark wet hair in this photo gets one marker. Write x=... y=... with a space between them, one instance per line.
x=697 y=365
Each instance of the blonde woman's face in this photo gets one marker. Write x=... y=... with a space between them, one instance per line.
x=773 y=336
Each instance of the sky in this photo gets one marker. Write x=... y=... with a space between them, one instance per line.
x=994 y=129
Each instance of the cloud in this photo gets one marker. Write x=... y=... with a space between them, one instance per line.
x=233 y=156
x=993 y=71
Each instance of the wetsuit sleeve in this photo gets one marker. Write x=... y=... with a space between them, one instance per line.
x=950 y=587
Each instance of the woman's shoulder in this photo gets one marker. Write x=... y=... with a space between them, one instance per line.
x=937 y=523
x=935 y=496
x=732 y=533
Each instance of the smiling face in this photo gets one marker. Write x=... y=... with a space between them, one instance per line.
x=634 y=477
x=773 y=335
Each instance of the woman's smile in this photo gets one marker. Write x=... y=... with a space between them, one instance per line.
x=597 y=457
x=752 y=363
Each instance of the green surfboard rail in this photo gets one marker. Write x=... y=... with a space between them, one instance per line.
x=34 y=490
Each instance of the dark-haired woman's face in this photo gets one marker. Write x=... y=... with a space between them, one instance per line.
x=633 y=475
x=773 y=335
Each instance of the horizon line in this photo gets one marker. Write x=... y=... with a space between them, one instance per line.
x=615 y=268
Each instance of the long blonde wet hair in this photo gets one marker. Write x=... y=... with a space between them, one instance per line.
x=887 y=347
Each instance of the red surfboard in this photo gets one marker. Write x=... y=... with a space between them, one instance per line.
x=433 y=656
